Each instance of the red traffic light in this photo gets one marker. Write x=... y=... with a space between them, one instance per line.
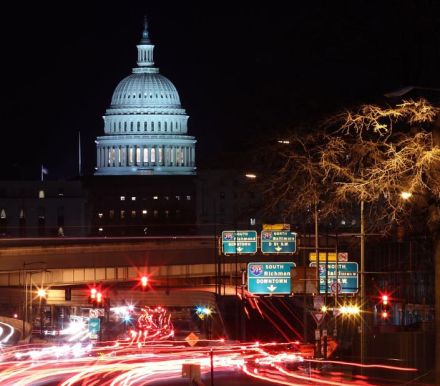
x=385 y=299
x=384 y=315
x=98 y=297
x=93 y=292
x=144 y=281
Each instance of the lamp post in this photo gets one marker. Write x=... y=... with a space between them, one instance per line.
x=26 y=298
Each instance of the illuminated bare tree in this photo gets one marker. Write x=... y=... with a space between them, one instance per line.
x=370 y=155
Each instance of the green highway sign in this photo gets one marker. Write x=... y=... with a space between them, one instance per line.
x=240 y=242
x=278 y=242
x=94 y=325
x=270 y=278
x=347 y=276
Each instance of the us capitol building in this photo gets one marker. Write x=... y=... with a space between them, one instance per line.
x=145 y=125
x=145 y=180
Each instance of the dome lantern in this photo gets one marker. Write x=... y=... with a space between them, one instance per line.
x=145 y=48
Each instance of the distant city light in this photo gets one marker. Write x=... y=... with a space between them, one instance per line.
x=284 y=141
x=251 y=175
x=41 y=293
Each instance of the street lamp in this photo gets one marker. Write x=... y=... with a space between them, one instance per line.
x=406 y=195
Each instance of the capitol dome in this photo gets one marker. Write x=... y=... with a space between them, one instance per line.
x=146 y=89
x=145 y=126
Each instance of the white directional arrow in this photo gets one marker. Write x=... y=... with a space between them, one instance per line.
x=278 y=248
x=272 y=288
x=239 y=249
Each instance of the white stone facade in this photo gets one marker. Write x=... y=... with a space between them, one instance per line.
x=145 y=126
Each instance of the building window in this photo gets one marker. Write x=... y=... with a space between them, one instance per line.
x=122 y=198
x=144 y=213
x=41 y=194
x=188 y=198
x=61 y=192
x=159 y=153
x=133 y=214
x=122 y=214
x=130 y=155
x=138 y=155
x=155 y=197
x=178 y=213
x=167 y=213
x=111 y=213
x=139 y=126
x=167 y=197
x=179 y=156
x=178 y=198
x=22 y=216
x=145 y=154
x=3 y=214
x=153 y=154
x=156 y=213
x=133 y=198
x=131 y=126
x=100 y=215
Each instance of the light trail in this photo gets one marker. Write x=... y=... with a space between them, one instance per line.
x=123 y=363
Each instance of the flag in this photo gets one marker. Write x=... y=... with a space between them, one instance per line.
x=43 y=172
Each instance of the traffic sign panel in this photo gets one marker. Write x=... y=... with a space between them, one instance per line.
x=270 y=278
x=329 y=256
x=347 y=275
x=278 y=241
x=239 y=242
x=318 y=316
x=94 y=325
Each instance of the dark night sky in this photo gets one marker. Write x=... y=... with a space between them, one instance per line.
x=243 y=71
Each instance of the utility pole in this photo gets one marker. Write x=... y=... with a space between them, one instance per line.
x=362 y=305
x=318 y=344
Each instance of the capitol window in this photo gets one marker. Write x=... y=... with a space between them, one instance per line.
x=153 y=155
x=41 y=194
x=145 y=154
x=122 y=198
x=130 y=155
x=138 y=155
x=122 y=214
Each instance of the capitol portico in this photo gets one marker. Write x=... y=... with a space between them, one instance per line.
x=145 y=126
